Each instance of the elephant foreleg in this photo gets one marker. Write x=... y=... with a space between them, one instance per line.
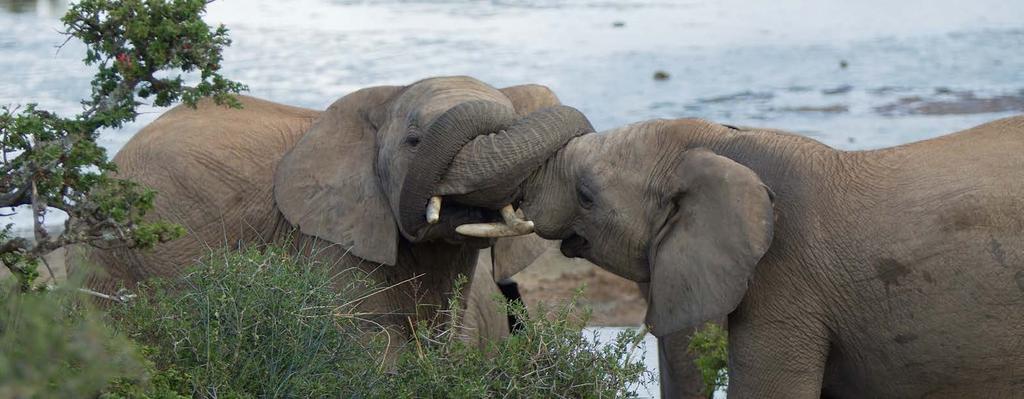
x=784 y=361
x=678 y=373
x=510 y=290
x=484 y=320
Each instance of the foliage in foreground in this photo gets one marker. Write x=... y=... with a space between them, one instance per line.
x=710 y=346
x=52 y=347
x=253 y=324
x=549 y=358
x=264 y=323
x=142 y=49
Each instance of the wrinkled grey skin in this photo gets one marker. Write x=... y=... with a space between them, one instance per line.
x=327 y=183
x=892 y=273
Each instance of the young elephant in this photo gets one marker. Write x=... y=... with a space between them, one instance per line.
x=333 y=184
x=873 y=274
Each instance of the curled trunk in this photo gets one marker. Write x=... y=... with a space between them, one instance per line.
x=478 y=153
x=488 y=171
x=445 y=137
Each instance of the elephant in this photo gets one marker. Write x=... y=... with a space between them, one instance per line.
x=888 y=273
x=335 y=184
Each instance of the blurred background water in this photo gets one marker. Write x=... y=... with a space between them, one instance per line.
x=852 y=74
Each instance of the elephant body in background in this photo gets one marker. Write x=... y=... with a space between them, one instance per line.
x=890 y=273
x=325 y=182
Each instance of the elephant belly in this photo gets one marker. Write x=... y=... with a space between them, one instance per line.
x=946 y=321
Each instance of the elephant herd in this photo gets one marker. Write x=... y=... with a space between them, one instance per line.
x=889 y=273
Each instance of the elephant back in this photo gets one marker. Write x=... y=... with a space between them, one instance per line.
x=212 y=168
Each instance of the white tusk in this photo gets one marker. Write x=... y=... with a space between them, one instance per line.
x=434 y=210
x=493 y=230
x=512 y=219
x=513 y=226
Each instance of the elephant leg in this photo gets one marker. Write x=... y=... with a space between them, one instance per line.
x=484 y=320
x=510 y=289
x=678 y=374
x=776 y=357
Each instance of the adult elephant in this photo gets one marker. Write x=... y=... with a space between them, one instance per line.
x=890 y=273
x=337 y=184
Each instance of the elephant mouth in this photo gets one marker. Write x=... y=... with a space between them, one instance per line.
x=446 y=136
x=575 y=246
x=454 y=215
x=486 y=167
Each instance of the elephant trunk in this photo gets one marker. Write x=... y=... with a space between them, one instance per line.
x=445 y=137
x=488 y=171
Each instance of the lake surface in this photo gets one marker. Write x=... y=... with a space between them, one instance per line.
x=913 y=69
x=852 y=74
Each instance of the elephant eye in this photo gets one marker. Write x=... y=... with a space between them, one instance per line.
x=586 y=198
x=412 y=140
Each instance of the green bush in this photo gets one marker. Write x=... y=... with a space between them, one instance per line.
x=549 y=358
x=267 y=324
x=52 y=346
x=710 y=345
x=254 y=324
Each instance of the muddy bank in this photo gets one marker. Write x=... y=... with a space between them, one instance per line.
x=553 y=279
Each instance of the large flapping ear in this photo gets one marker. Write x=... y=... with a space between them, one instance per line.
x=326 y=184
x=530 y=97
x=510 y=255
x=705 y=255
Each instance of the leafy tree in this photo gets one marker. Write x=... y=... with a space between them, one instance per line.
x=159 y=50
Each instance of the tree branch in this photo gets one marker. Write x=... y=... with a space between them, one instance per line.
x=15 y=197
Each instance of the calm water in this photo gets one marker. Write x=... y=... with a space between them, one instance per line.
x=853 y=74
x=914 y=69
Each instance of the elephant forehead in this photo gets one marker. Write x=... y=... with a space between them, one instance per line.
x=425 y=101
x=445 y=100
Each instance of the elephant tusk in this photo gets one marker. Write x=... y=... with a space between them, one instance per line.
x=488 y=230
x=434 y=210
x=512 y=219
x=513 y=226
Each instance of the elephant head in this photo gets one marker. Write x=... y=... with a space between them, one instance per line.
x=639 y=203
x=366 y=171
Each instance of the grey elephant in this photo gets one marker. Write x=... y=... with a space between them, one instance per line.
x=336 y=184
x=890 y=273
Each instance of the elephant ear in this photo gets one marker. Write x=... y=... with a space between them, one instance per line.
x=705 y=255
x=511 y=255
x=530 y=97
x=326 y=184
